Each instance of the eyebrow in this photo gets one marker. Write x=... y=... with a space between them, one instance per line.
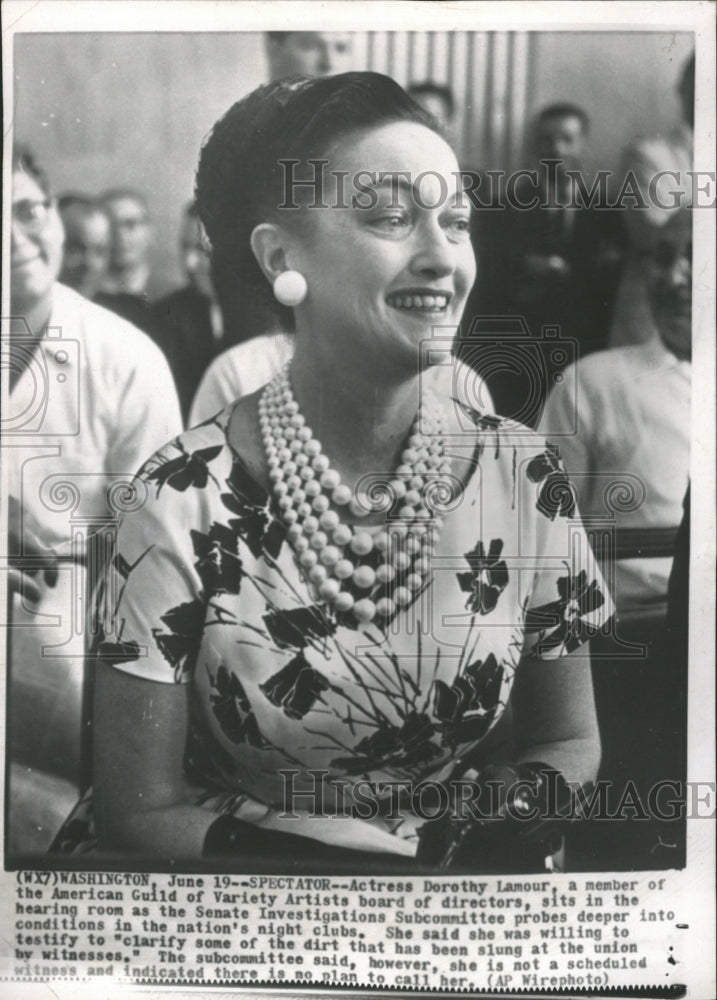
x=453 y=200
x=391 y=181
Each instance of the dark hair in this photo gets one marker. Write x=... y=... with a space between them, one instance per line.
x=429 y=89
x=240 y=181
x=23 y=161
x=117 y=193
x=687 y=73
x=565 y=110
x=686 y=89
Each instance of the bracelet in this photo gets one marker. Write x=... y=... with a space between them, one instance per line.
x=530 y=804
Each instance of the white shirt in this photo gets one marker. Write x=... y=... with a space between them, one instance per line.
x=625 y=414
x=247 y=367
x=95 y=401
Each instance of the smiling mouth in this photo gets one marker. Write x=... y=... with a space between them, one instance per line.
x=419 y=301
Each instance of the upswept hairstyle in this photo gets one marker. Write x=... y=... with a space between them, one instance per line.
x=240 y=181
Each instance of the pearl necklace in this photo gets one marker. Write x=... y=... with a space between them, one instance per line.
x=368 y=575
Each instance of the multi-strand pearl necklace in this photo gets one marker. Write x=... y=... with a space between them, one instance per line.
x=353 y=569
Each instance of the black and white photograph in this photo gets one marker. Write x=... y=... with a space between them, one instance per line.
x=358 y=495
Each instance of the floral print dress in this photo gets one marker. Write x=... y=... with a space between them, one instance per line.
x=204 y=589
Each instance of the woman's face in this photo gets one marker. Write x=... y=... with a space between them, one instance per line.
x=36 y=245
x=397 y=262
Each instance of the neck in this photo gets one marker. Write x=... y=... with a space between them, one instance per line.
x=360 y=417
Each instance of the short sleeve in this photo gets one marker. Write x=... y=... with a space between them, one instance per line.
x=568 y=601
x=215 y=392
x=150 y=604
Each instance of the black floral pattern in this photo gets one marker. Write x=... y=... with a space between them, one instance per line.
x=295 y=628
x=219 y=565
x=466 y=708
x=253 y=522
x=179 y=647
x=324 y=693
x=556 y=496
x=232 y=709
x=122 y=651
x=295 y=687
x=185 y=471
x=487 y=579
x=562 y=623
x=404 y=746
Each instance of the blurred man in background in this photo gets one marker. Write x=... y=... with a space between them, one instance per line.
x=630 y=410
x=127 y=288
x=437 y=99
x=663 y=161
x=308 y=53
x=188 y=324
x=564 y=256
x=547 y=257
x=621 y=419
x=91 y=398
x=87 y=243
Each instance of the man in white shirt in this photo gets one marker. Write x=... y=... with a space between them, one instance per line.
x=626 y=413
x=621 y=420
x=90 y=399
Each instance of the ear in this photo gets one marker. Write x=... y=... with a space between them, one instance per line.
x=269 y=245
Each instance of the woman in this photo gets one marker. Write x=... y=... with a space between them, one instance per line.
x=269 y=616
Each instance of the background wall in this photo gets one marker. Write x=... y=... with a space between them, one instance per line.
x=106 y=109
x=625 y=81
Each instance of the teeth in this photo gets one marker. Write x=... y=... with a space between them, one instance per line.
x=428 y=302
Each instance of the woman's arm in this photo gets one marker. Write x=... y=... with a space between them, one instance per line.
x=140 y=730
x=554 y=715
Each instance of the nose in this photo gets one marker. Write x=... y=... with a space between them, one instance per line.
x=435 y=255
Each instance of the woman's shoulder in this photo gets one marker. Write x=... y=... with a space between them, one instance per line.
x=485 y=428
x=513 y=458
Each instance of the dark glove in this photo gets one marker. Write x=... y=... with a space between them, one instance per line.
x=518 y=819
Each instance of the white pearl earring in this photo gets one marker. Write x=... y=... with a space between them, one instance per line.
x=290 y=288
